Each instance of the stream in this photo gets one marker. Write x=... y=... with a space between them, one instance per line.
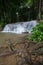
x=20 y=27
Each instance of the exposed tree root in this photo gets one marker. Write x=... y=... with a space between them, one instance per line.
x=31 y=53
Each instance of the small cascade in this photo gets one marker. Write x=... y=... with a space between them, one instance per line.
x=20 y=27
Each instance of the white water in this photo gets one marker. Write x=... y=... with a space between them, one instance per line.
x=20 y=27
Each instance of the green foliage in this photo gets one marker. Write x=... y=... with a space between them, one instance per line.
x=2 y=23
x=41 y=16
x=37 y=33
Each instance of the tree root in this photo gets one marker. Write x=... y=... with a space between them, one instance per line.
x=32 y=52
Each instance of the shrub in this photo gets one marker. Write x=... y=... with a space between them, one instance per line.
x=37 y=33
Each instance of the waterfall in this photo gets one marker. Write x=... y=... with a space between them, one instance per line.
x=20 y=27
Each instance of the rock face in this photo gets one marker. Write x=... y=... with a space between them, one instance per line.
x=18 y=51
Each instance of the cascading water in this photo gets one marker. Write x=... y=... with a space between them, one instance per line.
x=20 y=27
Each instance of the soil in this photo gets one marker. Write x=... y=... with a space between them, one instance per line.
x=15 y=49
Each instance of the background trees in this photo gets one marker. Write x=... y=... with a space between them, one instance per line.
x=20 y=10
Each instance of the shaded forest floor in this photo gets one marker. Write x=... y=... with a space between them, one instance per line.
x=16 y=49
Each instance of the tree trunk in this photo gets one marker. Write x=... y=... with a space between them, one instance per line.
x=39 y=15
